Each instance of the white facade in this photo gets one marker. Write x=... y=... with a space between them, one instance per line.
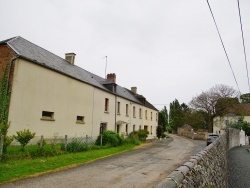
x=50 y=103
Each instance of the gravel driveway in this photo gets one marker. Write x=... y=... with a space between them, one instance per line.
x=143 y=167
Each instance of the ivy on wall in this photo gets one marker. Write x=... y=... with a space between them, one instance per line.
x=4 y=99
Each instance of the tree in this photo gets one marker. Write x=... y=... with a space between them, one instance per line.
x=207 y=101
x=163 y=118
x=245 y=98
x=177 y=114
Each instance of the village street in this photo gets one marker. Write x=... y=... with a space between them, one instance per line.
x=143 y=167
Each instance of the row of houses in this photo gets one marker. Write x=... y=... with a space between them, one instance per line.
x=52 y=96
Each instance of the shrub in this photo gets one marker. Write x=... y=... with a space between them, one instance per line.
x=76 y=145
x=24 y=137
x=110 y=138
x=143 y=134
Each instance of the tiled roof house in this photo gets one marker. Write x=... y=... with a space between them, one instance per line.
x=52 y=96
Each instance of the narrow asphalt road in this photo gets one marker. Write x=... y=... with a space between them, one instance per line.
x=239 y=167
x=143 y=167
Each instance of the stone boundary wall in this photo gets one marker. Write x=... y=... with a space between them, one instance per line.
x=193 y=135
x=208 y=167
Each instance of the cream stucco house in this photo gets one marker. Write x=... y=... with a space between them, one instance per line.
x=52 y=96
x=220 y=123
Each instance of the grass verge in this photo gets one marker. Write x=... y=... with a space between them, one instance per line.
x=19 y=169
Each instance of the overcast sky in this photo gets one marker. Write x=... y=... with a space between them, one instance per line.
x=168 y=49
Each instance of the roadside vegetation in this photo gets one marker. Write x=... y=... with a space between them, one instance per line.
x=20 y=161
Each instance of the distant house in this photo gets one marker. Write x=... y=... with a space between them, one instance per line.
x=220 y=123
x=52 y=96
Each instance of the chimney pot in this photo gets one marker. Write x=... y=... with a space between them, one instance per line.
x=111 y=77
x=134 y=90
x=70 y=57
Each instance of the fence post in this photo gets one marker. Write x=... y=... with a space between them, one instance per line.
x=1 y=146
x=41 y=142
x=65 y=142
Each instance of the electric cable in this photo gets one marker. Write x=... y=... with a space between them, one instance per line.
x=223 y=46
x=243 y=41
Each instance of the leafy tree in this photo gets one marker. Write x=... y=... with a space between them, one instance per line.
x=163 y=118
x=159 y=131
x=177 y=114
x=241 y=124
x=196 y=118
x=24 y=137
x=207 y=101
x=245 y=98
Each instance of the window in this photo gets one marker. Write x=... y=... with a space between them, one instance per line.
x=126 y=129
x=151 y=116
x=118 y=107
x=126 y=109
x=106 y=105
x=145 y=127
x=151 y=129
x=80 y=119
x=49 y=116
x=133 y=127
x=140 y=113
x=146 y=114
x=103 y=127
x=156 y=117
x=226 y=122
x=140 y=127
x=134 y=111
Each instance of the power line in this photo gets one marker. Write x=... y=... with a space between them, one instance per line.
x=243 y=41
x=223 y=45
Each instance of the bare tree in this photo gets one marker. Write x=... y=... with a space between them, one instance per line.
x=207 y=100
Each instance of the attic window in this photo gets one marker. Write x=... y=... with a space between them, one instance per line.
x=80 y=119
x=49 y=116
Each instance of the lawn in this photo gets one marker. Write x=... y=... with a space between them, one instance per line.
x=21 y=168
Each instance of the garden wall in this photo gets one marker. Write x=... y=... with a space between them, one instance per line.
x=208 y=167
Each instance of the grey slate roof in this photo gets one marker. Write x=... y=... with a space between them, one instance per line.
x=40 y=56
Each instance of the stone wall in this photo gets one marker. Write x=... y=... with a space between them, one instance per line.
x=208 y=167
x=195 y=135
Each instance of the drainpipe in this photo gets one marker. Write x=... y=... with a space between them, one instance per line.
x=11 y=65
x=93 y=112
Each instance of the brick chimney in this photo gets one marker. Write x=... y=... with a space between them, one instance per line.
x=134 y=90
x=111 y=77
x=70 y=57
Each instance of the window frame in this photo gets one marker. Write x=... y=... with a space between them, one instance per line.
x=48 y=116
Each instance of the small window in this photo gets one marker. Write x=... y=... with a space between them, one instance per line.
x=118 y=107
x=106 y=109
x=151 y=116
x=126 y=129
x=134 y=111
x=140 y=113
x=80 y=119
x=133 y=127
x=156 y=115
x=146 y=114
x=126 y=109
x=46 y=115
